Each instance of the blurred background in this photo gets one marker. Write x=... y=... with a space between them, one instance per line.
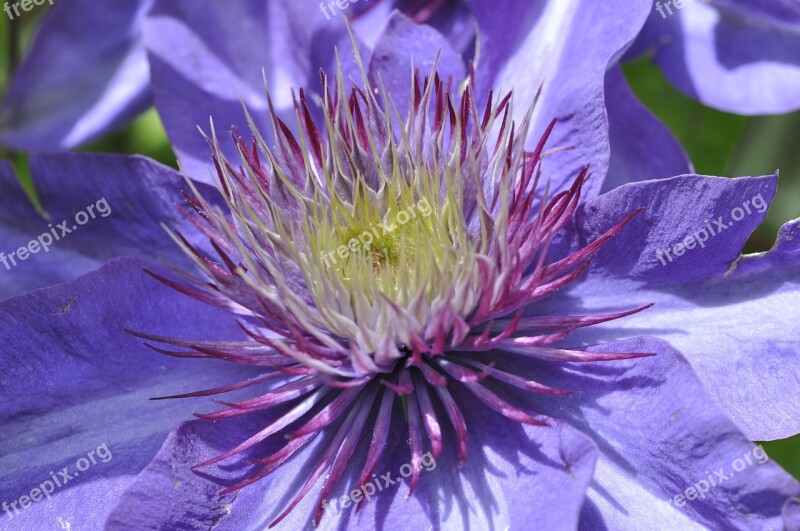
x=717 y=143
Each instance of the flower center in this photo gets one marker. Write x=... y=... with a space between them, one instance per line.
x=387 y=248
x=387 y=245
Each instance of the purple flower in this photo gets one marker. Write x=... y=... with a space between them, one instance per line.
x=638 y=441
x=375 y=270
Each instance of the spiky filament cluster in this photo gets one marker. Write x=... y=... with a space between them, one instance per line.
x=424 y=307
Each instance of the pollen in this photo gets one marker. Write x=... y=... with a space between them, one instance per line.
x=390 y=251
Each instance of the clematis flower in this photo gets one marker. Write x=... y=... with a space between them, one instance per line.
x=440 y=252
x=447 y=330
x=634 y=434
x=375 y=271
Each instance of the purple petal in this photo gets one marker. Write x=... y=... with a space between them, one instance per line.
x=791 y=514
x=169 y=493
x=207 y=58
x=659 y=433
x=675 y=209
x=736 y=55
x=369 y=20
x=86 y=73
x=451 y=18
x=140 y=195
x=642 y=148
x=736 y=321
x=526 y=45
x=404 y=44
x=73 y=380
x=513 y=474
